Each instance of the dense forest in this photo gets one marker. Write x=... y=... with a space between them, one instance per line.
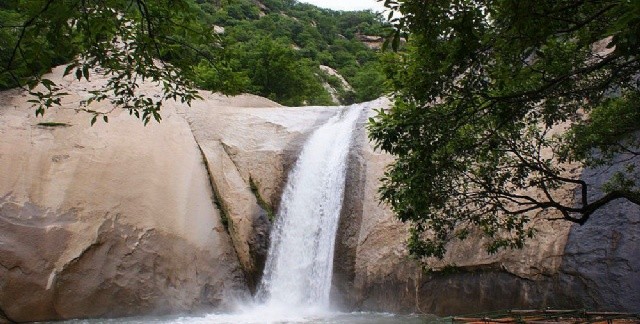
x=279 y=49
x=278 y=46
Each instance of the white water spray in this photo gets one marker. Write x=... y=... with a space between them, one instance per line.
x=300 y=262
x=297 y=279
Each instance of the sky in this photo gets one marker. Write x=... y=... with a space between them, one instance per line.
x=347 y=4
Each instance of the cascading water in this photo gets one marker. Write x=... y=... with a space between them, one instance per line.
x=296 y=282
x=299 y=265
x=297 y=278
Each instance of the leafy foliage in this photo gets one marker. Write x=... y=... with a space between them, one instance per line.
x=482 y=94
x=277 y=72
x=270 y=48
x=129 y=41
x=307 y=36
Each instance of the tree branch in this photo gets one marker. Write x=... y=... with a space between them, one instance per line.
x=609 y=197
x=23 y=30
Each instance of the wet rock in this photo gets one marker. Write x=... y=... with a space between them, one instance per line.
x=249 y=152
x=601 y=263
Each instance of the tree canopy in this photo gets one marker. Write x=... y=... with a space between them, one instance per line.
x=495 y=100
x=130 y=41
x=315 y=36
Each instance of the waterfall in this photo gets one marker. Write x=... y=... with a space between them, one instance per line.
x=297 y=278
x=299 y=266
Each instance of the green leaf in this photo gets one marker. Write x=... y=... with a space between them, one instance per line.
x=47 y=83
x=68 y=69
x=85 y=71
x=478 y=93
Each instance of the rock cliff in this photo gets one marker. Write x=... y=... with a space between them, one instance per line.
x=108 y=220
x=593 y=266
x=120 y=219
x=111 y=220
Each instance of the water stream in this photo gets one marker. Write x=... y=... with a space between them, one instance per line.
x=296 y=282
x=297 y=278
x=299 y=266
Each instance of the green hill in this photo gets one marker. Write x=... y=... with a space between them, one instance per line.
x=277 y=46
x=280 y=49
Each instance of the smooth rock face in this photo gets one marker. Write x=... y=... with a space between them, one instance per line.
x=263 y=143
x=91 y=227
x=594 y=266
x=111 y=220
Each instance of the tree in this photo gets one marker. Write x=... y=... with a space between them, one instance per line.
x=368 y=82
x=480 y=95
x=129 y=40
x=277 y=72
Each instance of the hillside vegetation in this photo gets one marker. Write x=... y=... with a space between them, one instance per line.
x=272 y=48
x=276 y=47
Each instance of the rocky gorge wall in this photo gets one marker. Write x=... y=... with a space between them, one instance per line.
x=111 y=220
x=120 y=219
x=593 y=266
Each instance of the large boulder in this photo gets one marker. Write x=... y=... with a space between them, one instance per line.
x=111 y=220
